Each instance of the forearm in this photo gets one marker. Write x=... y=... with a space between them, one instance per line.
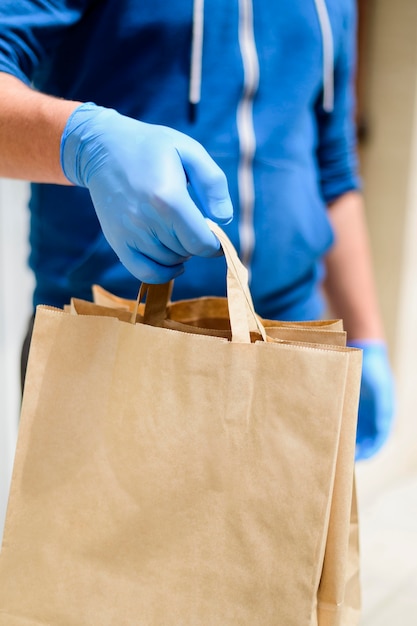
x=31 y=126
x=349 y=284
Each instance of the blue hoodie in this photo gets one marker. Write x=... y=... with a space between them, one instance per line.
x=266 y=87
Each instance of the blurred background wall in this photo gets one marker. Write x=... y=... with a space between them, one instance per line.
x=388 y=115
x=15 y=306
x=387 y=95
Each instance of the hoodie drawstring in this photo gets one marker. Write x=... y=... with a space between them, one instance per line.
x=196 y=58
x=328 y=55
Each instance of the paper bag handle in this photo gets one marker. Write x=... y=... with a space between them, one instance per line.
x=243 y=319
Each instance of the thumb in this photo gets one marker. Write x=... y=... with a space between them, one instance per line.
x=208 y=182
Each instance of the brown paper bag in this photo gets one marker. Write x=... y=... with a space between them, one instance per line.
x=177 y=478
x=339 y=590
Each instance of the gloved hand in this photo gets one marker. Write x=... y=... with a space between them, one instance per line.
x=377 y=402
x=137 y=175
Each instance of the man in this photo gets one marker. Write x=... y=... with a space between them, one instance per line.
x=126 y=96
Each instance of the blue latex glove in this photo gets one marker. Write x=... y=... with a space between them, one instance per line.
x=138 y=176
x=377 y=402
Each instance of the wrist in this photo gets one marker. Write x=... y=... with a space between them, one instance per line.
x=74 y=138
x=363 y=327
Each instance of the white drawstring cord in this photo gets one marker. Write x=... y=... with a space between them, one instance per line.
x=196 y=56
x=328 y=55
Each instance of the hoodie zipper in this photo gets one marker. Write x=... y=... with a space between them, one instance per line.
x=246 y=131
